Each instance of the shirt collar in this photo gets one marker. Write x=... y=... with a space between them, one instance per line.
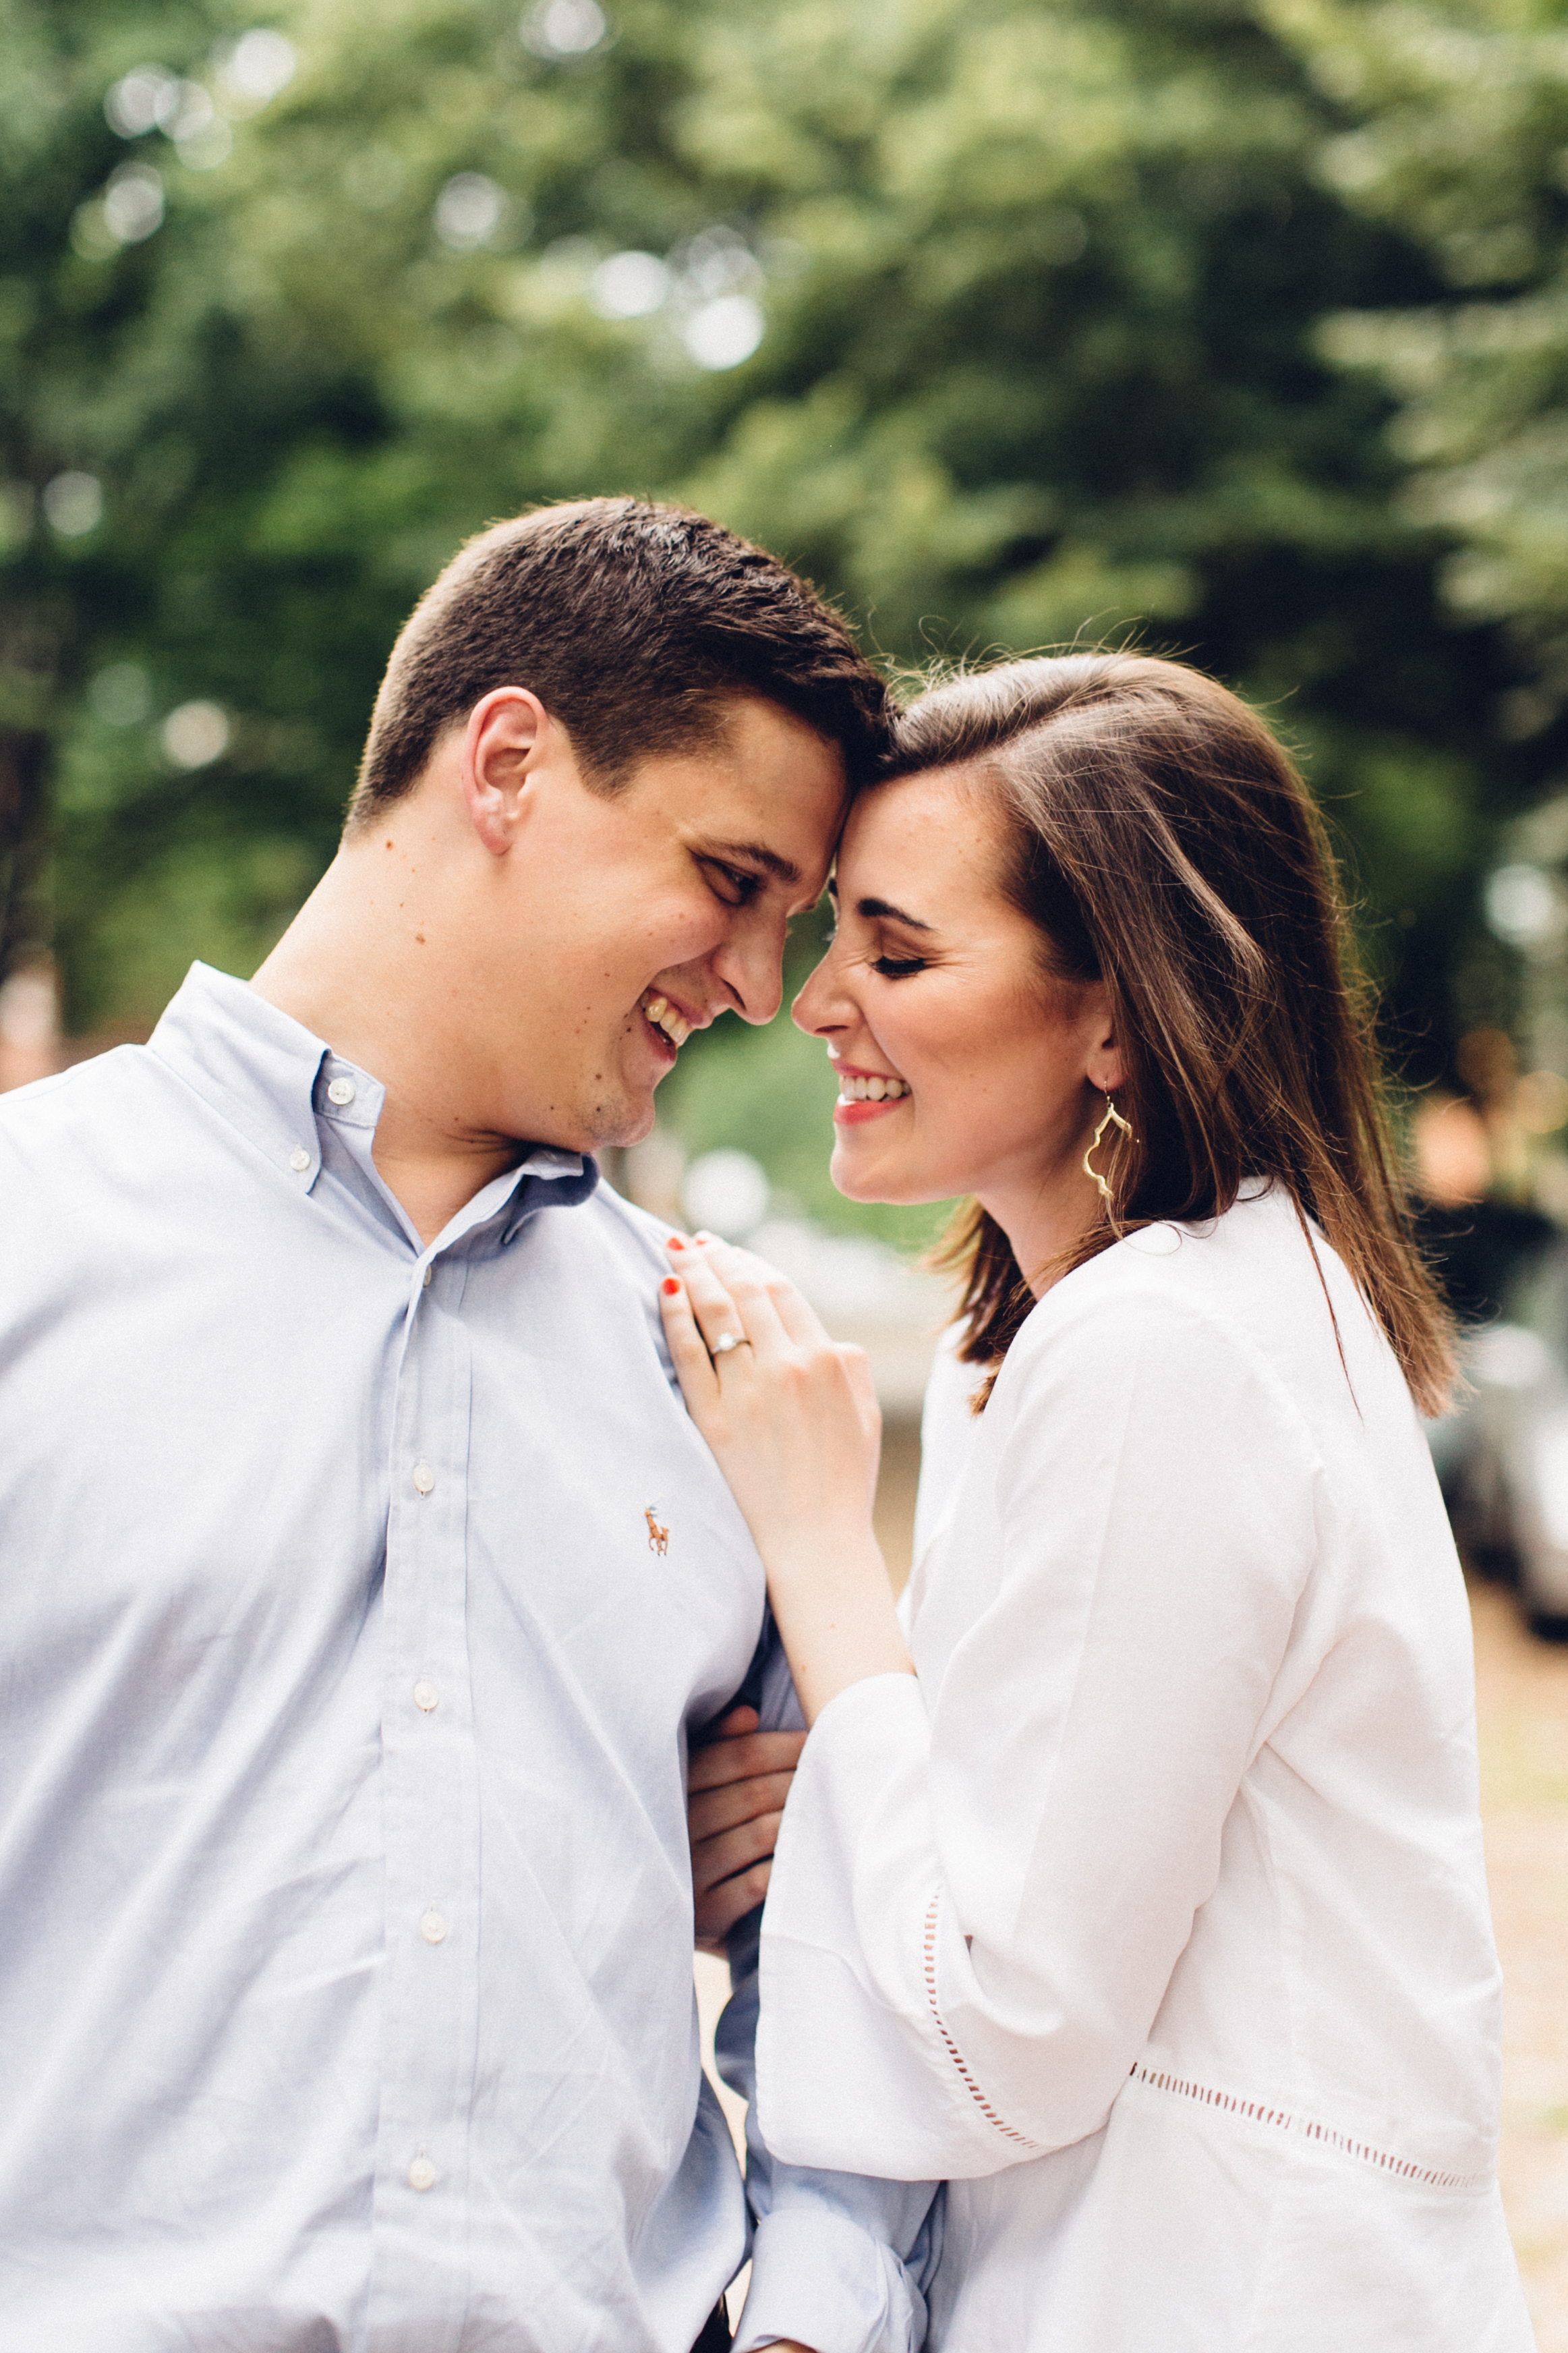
x=270 y=1076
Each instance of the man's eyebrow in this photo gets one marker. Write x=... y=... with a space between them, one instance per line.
x=872 y=908
x=781 y=869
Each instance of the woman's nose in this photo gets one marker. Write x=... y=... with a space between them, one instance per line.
x=815 y=1009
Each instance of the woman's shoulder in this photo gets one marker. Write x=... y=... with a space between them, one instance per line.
x=1244 y=1296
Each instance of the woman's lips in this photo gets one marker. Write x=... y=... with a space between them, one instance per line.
x=865 y=1094
x=856 y=1115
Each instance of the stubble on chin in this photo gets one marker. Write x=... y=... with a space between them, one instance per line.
x=613 y=1124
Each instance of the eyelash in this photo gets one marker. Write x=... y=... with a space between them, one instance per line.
x=745 y=886
x=899 y=967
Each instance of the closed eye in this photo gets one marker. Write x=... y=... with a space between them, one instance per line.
x=899 y=967
x=732 y=884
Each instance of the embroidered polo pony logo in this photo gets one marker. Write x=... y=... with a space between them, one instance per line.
x=657 y=1537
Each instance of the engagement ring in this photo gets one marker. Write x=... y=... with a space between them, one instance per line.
x=728 y=1340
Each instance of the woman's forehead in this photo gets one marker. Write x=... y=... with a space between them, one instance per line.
x=932 y=831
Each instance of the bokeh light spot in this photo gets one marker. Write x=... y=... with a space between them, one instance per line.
x=1521 y=905
x=194 y=734
x=260 y=65
x=727 y=1192
x=142 y=99
x=629 y=285
x=73 y=504
x=132 y=202
x=468 y=210
x=565 y=28
x=721 y=335
x=121 y=695
x=192 y=112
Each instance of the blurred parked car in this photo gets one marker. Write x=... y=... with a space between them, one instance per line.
x=1502 y=1456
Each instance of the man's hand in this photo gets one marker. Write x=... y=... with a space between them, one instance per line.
x=739 y=1780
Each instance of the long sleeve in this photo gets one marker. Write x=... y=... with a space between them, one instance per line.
x=839 y=2261
x=983 y=1884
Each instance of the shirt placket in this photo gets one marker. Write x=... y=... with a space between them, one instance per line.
x=430 y=1796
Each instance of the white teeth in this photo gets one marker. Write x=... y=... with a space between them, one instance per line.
x=663 y=1015
x=873 y=1089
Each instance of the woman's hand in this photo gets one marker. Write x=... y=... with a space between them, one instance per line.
x=791 y=1415
x=736 y=1788
x=792 y=1418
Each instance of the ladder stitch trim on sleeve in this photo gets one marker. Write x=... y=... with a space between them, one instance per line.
x=975 y=2093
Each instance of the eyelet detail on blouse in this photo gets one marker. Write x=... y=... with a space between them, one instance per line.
x=975 y=2093
x=1309 y=2128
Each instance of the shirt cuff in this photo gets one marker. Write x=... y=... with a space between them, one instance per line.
x=821 y=2281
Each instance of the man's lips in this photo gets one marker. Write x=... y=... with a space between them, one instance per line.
x=668 y=1022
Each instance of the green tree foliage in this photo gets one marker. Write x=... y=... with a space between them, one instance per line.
x=1004 y=320
x=1456 y=134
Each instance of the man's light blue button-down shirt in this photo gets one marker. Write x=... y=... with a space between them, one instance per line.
x=345 y=1909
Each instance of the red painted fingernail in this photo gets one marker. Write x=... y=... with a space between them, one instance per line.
x=675 y=1242
x=670 y=1286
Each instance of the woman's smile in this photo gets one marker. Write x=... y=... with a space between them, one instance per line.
x=865 y=1095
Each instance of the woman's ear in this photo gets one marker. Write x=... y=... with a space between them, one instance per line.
x=1103 y=1066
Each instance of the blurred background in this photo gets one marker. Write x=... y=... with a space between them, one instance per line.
x=1237 y=326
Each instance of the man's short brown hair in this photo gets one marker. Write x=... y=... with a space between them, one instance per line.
x=634 y=624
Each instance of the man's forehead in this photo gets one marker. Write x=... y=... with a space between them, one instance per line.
x=785 y=823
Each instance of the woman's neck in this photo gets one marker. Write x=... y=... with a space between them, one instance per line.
x=1046 y=1216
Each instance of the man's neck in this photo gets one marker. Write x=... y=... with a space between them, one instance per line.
x=335 y=972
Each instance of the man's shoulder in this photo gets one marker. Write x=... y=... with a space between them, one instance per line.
x=632 y=1237
x=97 y=1090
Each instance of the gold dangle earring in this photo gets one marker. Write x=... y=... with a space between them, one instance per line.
x=1112 y=1119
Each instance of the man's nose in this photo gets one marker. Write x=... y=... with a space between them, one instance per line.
x=750 y=966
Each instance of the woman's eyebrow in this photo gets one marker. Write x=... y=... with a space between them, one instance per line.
x=872 y=908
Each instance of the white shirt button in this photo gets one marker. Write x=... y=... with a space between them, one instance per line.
x=427 y=1696
x=432 y=1928
x=422 y=2174
x=341 y=1091
x=423 y=1477
x=299 y=1160
x=429 y=1273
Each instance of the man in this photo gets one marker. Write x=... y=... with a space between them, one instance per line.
x=365 y=1580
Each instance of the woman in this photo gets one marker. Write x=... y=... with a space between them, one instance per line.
x=1134 y=1884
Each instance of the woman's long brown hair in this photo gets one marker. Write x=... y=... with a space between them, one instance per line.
x=1161 y=840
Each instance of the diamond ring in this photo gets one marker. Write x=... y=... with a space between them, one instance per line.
x=728 y=1340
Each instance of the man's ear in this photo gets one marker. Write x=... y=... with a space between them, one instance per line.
x=1104 y=1068
x=503 y=745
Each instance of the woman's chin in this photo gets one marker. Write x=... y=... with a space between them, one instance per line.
x=857 y=1176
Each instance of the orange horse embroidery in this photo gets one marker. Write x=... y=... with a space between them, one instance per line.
x=657 y=1537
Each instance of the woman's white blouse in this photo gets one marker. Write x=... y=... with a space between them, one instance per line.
x=1153 y=1914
